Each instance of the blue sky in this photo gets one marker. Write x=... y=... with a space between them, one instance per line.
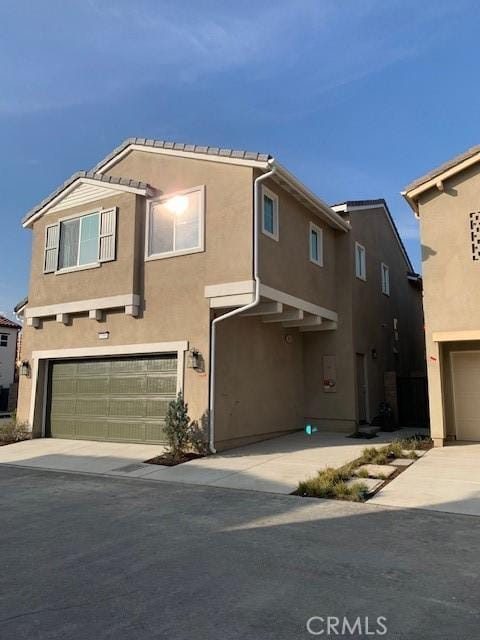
x=355 y=97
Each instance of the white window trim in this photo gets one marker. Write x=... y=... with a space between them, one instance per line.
x=384 y=268
x=180 y=252
x=2 y=336
x=319 y=232
x=361 y=276
x=79 y=267
x=276 y=215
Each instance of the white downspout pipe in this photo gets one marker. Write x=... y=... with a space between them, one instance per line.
x=235 y=312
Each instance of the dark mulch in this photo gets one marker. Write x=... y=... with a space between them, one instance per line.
x=167 y=460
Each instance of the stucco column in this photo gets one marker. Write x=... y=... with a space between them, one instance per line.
x=435 y=395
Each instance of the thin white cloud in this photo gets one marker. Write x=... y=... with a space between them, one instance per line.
x=85 y=53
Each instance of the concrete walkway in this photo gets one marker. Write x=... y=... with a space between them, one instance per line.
x=274 y=466
x=444 y=479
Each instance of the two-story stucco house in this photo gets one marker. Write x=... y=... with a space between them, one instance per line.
x=8 y=354
x=175 y=267
x=447 y=202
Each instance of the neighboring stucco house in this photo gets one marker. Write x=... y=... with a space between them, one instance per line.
x=8 y=355
x=136 y=264
x=447 y=202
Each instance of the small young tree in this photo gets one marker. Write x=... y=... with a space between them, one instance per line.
x=177 y=426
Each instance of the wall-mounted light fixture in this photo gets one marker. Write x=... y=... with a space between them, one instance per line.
x=374 y=354
x=194 y=359
x=24 y=368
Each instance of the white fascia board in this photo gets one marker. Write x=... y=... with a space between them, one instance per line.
x=412 y=194
x=229 y=288
x=297 y=303
x=121 y=188
x=184 y=154
x=322 y=208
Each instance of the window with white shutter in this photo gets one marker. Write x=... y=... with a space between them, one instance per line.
x=108 y=226
x=52 y=233
x=80 y=242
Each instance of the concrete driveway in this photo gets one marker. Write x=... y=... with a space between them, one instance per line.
x=109 y=558
x=275 y=466
x=444 y=479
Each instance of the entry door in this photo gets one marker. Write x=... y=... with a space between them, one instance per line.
x=117 y=399
x=466 y=394
x=361 y=389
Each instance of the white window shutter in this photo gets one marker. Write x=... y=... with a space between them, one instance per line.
x=52 y=236
x=108 y=225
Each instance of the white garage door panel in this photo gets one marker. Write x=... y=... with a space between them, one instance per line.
x=466 y=393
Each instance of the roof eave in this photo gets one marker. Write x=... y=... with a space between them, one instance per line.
x=323 y=209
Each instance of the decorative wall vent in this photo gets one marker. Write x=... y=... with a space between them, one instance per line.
x=475 y=234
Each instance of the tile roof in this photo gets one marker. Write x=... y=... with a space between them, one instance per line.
x=20 y=304
x=5 y=322
x=187 y=148
x=92 y=175
x=443 y=167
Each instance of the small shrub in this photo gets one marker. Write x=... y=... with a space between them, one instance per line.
x=13 y=431
x=177 y=426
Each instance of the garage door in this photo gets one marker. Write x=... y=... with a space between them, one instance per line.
x=117 y=399
x=466 y=394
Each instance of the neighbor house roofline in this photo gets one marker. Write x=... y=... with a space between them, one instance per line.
x=84 y=177
x=437 y=176
x=378 y=203
x=10 y=324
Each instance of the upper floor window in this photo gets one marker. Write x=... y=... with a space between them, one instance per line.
x=270 y=213
x=385 y=274
x=360 y=262
x=316 y=244
x=175 y=224
x=80 y=242
x=3 y=339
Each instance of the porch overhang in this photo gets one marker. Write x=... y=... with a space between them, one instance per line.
x=275 y=306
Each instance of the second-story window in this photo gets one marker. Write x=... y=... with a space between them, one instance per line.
x=360 y=262
x=385 y=275
x=4 y=340
x=79 y=240
x=270 y=214
x=175 y=224
x=316 y=244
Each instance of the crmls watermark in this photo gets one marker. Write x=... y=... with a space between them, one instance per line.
x=333 y=626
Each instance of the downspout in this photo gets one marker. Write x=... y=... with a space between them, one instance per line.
x=235 y=312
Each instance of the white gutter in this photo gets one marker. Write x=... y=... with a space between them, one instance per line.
x=235 y=312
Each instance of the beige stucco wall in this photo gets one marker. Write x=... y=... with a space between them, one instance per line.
x=365 y=323
x=452 y=296
x=172 y=290
x=285 y=264
x=259 y=381
x=374 y=312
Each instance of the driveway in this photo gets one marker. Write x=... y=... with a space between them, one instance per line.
x=275 y=466
x=85 y=556
x=444 y=479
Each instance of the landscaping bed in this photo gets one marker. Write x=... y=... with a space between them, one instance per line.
x=167 y=459
x=360 y=479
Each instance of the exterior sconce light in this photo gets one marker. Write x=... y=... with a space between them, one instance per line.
x=374 y=354
x=194 y=359
x=24 y=368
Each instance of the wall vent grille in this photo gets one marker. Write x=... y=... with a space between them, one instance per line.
x=475 y=234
